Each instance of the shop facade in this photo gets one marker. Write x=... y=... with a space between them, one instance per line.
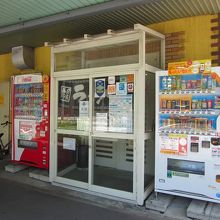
x=102 y=112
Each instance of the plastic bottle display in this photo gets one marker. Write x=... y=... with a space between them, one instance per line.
x=188 y=103
x=28 y=101
x=195 y=82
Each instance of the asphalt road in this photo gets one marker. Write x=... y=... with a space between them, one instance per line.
x=21 y=202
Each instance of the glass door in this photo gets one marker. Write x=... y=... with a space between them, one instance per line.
x=73 y=131
x=95 y=133
x=113 y=154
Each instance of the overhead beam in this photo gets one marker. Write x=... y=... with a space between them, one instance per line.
x=75 y=14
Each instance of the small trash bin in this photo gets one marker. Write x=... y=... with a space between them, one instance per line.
x=82 y=154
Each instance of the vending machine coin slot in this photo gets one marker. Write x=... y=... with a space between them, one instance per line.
x=205 y=144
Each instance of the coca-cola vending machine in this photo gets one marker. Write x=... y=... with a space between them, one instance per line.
x=31 y=120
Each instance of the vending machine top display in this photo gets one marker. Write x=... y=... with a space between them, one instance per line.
x=31 y=124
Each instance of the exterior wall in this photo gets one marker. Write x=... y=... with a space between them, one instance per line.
x=42 y=64
x=197 y=35
x=197 y=44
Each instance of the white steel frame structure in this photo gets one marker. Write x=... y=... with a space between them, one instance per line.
x=139 y=136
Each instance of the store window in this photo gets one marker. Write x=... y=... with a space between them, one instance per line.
x=73 y=105
x=72 y=157
x=113 y=104
x=113 y=163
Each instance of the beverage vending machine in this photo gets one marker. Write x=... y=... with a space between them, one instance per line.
x=31 y=120
x=188 y=131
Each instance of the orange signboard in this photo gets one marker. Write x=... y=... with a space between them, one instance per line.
x=190 y=67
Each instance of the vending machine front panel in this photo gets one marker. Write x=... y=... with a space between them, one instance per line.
x=188 y=134
x=30 y=104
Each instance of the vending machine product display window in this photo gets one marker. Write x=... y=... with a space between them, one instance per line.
x=187 y=130
x=102 y=112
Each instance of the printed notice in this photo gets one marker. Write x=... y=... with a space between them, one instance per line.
x=69 y=143
x=101 y=121
x=173 y=144
x=83 y=108
x=120 y=114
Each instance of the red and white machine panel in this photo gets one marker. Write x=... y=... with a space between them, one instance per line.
x=31 y=122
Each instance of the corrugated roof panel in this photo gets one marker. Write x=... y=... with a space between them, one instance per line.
x=14 y=11
x=145 y=14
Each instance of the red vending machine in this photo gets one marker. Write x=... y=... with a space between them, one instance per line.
x=31 y=122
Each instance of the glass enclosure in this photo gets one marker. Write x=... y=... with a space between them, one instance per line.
x=153 y=51
x=103 y=98
x=118 y=54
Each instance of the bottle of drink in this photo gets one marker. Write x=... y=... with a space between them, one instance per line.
x=169 y=83
x=204 y=82
x=209 y=82
x=173 y=83
x=164 y=83
x=178 y=83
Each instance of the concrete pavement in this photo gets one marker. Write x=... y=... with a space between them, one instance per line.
x=22 y=197
x=20 y=201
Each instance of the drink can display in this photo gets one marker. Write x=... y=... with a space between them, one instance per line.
x=178 y=104
x=173 y=83
x=183 y=84
x=204 y=82
x=169 y=105
x=193 y=84
x=178 y=82
x=209 y=82
x=189 y=84
x=194 y=104
x=164 y=103
x=209 y=102
x=199 y=104
x=210 y=124
x=169 y=83
x=164 y=83
x=198 y=84
x=204 y=104
x=173 y=105
x=187 y=104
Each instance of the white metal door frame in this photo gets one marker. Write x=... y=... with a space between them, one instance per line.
x=81 y=74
